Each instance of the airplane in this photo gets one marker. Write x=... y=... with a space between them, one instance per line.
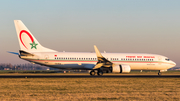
x=98 y=63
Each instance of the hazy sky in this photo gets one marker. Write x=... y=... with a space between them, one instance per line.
x=135 y=26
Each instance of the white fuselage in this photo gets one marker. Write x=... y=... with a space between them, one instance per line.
x=79 y=60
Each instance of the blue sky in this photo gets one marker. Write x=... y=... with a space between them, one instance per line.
x=135 y=26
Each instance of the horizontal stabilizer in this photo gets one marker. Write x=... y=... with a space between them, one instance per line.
x=14 y=53
x=24 y=53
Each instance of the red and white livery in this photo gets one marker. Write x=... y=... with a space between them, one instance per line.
x=32 y=51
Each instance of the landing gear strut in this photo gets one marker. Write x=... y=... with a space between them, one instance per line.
x=100 y=73
x=159 y=73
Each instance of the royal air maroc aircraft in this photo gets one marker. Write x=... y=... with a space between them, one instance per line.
x=32 y=51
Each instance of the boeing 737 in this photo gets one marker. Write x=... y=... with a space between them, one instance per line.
x=31 y=50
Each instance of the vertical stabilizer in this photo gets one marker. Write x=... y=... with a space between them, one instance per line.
x=27 y=41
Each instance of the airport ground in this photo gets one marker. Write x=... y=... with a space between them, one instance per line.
x=92 y=88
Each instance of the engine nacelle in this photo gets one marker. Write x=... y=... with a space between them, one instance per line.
x=123 y=68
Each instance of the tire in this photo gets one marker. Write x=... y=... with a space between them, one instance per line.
x=159 y=74
x=100 y=73
x=92 y=73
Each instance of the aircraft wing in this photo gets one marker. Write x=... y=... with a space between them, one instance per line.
x=102 y=61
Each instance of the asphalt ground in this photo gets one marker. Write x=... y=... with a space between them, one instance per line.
x=88 y=76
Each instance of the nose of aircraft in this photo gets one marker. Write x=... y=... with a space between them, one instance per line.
x=174 y=64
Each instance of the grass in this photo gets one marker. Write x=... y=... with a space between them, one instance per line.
x=84 y=89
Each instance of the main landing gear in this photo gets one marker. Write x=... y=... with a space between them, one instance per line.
x=99 y=72
x=92 y=73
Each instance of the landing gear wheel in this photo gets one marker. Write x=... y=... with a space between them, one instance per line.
x=159 y=74
x=107 y=71
x=92 y=73
x=100 y=73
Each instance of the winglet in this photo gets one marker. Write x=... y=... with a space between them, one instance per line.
x=97 y=51
x=102 y=61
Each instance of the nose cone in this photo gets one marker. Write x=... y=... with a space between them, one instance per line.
x=173 y=63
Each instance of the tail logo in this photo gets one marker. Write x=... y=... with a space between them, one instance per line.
x=33 y=44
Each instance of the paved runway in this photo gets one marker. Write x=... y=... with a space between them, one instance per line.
x=88 y=76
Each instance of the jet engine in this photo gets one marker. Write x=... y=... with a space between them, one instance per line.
x=123 y=68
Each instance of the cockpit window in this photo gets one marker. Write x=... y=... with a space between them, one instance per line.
x=167 y=59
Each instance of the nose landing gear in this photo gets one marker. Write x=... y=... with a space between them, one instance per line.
x=159 y=73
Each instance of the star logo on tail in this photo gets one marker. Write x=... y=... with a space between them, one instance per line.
x=33 y=45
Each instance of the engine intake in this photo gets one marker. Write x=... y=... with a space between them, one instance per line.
x=123 y=68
